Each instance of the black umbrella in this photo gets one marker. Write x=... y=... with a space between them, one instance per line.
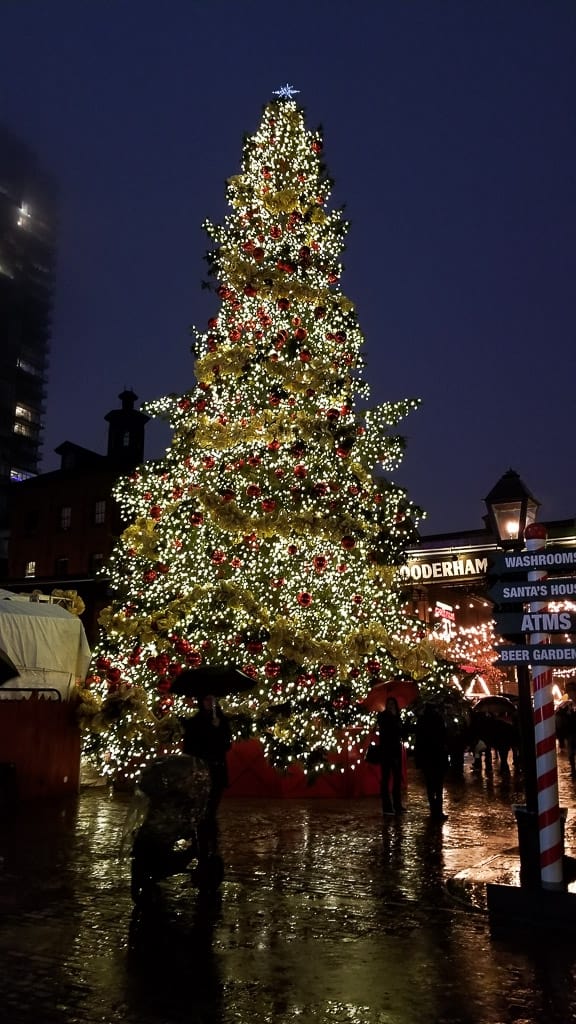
x=8 y=669
x=216 y=680
x=501 y=707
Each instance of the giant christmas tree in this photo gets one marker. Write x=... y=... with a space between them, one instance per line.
x=268 y=537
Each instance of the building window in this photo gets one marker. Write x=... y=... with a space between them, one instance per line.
x=126 y=439
x=96 y=561
x=20 y=474
x=23 y=428
x=30 y=569
x=99 y=513
x=23 y=412
x=61 y=567
x=25 y=420
x=65 y=517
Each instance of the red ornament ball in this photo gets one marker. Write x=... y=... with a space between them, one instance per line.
x=304 y=599
x=348 y=543
x=327 y=671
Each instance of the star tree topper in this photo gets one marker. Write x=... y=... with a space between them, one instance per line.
x=286 y=91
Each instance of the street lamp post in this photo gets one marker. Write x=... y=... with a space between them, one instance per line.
x=511 y=508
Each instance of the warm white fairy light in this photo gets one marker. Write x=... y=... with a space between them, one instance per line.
x=264 y=537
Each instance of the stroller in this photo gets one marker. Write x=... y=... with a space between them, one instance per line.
x=170 y=829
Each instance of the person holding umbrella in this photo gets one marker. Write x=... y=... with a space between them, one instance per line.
x=387 y=699
x=207 y=736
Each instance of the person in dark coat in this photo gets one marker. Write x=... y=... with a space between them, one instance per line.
x=431 y=756
x=390 y=749
x=207 y=736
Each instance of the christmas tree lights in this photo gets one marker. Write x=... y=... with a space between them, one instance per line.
x=268 y=537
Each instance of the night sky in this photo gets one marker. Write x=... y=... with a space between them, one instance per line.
x=449 y=129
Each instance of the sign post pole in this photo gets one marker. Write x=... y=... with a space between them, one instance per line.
x=549 y=825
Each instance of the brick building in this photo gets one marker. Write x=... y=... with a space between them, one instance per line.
x=63 y=524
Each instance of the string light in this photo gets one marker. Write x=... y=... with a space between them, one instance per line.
x=268 y=535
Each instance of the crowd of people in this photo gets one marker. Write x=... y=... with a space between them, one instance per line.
x=493 y=739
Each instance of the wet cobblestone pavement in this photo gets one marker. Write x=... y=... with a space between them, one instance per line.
x=327 y=915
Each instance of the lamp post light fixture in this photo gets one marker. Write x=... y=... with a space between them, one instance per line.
x=511 y=508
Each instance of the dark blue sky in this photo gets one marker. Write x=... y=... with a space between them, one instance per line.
x=450 y=132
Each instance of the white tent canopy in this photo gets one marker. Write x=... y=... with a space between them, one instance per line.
x=47 y=644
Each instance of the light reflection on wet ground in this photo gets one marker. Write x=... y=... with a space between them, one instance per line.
x=327 y=915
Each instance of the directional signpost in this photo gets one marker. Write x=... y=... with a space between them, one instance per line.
x=521 y=592
x=528 y=614
x=528 y=582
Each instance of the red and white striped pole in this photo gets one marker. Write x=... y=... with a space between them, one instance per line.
x=549 y=826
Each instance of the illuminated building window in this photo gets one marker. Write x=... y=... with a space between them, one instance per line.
x=16 y=475
x=99 y=513
x=24 y=420
x=23 y=412
x=30 y=569
x=23 y=428
x=65 y=517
